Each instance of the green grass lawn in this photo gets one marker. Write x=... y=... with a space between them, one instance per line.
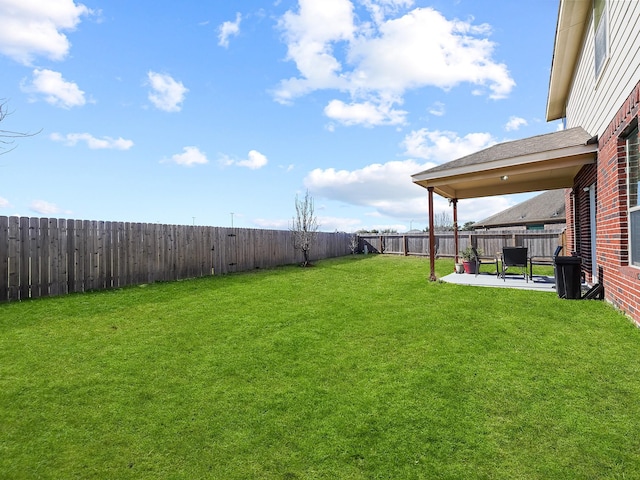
x=357 y=368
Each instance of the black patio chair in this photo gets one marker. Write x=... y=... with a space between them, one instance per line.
x=514 y=257
x=486 y=260
x=540 y=260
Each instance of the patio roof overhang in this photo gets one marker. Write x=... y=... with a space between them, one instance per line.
x=545 y=162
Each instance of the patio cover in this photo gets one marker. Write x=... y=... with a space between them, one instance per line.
x=543 y=162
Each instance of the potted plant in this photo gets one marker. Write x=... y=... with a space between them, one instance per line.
x=468 y=265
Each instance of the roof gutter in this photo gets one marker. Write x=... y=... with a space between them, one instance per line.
x=573 y=16
x=567 y=152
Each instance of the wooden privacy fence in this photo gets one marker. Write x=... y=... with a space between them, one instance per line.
x=538 y=243
x=42 y=257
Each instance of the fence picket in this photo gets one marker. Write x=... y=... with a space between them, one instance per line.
x=82 y=262
x=34 y=260
x=120 y=264
x=106 y=271
x=63 y=256
x=91 y=263
x=99 y=256
x=14 y=258
x=4 y=258
x=54 y=257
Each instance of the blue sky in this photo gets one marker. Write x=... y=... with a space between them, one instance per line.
x=211 y=112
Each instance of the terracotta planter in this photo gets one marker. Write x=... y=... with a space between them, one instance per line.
x=469 y=267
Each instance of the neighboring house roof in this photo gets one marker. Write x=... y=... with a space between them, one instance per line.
x=542 y=162
x=573 y=16
x=546 y=208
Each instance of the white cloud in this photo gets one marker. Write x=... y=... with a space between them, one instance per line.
x=437 y=109
x=379 y=9
x=387 y=189
x=444 y=146
x=515 y=123
x=377 y=62
x=366 y=113
x=191 y=156
x=44 y=208
x=228 y=29
x=423 y=48
x=72 y=139
x=310 y=35
x=166 y=93
x=55 y=89
x=4 y=202
x=389 y=192
x=254 y=161
x=33 y=28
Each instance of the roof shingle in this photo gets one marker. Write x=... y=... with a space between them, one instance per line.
x=518 y=148
x=548 y=207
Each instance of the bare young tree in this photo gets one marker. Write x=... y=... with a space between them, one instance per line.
x=304 y=227
x=442 y=222
x=354 y=243
x=7 y=137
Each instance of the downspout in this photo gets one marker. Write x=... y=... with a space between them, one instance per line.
x=574 y=224
x=454 y=202
x=432 y=239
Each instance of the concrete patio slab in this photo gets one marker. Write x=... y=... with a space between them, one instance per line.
x=539 y=283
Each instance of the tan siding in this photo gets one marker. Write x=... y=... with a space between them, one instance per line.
x=591 y=105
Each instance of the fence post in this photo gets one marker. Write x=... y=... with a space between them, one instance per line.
x=54 y=257
x=4 y=258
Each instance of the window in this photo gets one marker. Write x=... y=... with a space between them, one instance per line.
x=633 y=179
x=600 y=33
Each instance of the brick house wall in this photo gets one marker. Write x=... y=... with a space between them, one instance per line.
x=621 y=281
